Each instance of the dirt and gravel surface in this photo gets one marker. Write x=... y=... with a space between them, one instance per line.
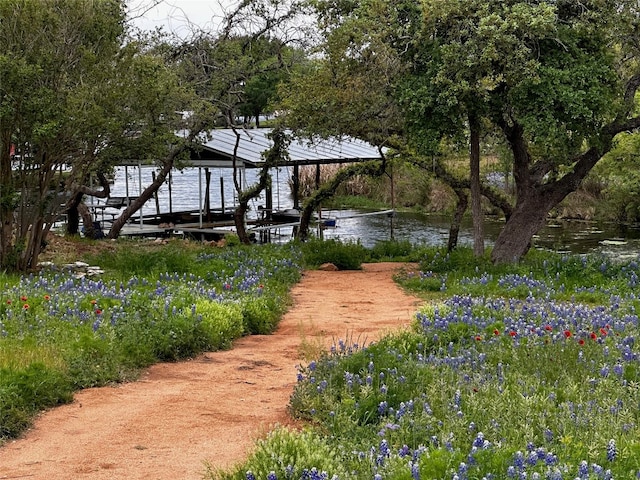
x=210 y=410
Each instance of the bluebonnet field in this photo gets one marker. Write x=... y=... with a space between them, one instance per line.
x=59 y=333
x=513 y=372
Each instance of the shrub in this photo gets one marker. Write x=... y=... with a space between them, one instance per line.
x=398 y=250
x=286 y=454
x=344 y=255
x=261 y=314
x=220 y=323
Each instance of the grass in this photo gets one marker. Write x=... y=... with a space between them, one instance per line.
x=512 y=371
x=59 y=333
x=518 y=371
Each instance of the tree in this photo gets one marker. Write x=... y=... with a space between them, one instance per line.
x=237 y=72
x=78 y=97
x=557 y=79
x=562 y=79
x=47 y=50
x=362 y=86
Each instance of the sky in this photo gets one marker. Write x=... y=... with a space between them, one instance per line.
x=178 y=16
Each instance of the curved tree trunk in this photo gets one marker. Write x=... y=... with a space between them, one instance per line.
x=514 y=239
x=76 y=209
x=73 y=216
x=474 y=180
x=272 y=158
x=325 y=192
x=535 y=196
x=239 y=220
x=461 y=207
x=90 y=230
x=146 y=194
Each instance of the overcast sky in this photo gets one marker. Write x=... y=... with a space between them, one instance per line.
x=178 y=16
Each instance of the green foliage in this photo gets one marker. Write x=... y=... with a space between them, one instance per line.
x=25 y=391
x=618 y=171
x=220 y=323
x=396 y=251
x=261 y=314
x=288 y=454
x=344 y=255
x=510 y=372
x=59 y=333
x=140 y=258
x=391 y=249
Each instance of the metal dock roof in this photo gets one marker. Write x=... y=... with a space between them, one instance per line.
x=218 y=151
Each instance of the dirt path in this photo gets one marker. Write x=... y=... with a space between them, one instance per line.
x=213 y=408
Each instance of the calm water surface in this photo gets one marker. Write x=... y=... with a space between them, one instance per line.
x=188 y=188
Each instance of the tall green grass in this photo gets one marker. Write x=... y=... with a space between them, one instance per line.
x=59 y=333
x=517 y=371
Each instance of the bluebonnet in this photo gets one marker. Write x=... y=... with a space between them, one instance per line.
x=612 y=451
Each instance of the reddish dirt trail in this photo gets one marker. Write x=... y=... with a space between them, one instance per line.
x=179 y=416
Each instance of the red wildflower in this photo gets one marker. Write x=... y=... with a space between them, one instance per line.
x=478 y=338
x=23 y=298
x=567 y=333
x=98 y=311
x=47 y=297
x=581 y=342
x=261 y=286
x=93 y=302
x=496 y=332
x=593 y=336
x=513 y=333
x=9 y=302
x=603 y=332
x=25 y=306
x=548 y=328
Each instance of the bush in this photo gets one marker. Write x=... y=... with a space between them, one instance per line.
x=220 y=324
x=261 y=314
x=293 y=452
x=344 y=255
x=392 y=250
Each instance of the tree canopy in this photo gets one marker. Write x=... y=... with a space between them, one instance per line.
x=556 y=78
x=75 y=96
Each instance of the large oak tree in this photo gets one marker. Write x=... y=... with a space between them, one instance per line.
x=557 y=78
x=77 y=97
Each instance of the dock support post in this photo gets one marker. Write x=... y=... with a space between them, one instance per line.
x=222 y=193
x=139 y=194
x=296 y=186
x=200 y=196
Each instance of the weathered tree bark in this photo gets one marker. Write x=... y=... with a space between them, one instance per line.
x=146 y=194
x=90 y=230
x=73 y=216
x=239 y=220
x=535 y=196
x=373 y=168
x=474 y=179
x=76 y=210
x=272 y=158
x=461 y=207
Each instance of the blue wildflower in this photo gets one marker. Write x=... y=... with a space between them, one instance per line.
x=612 y=451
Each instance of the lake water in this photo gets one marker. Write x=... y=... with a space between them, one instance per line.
x=188 y=187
